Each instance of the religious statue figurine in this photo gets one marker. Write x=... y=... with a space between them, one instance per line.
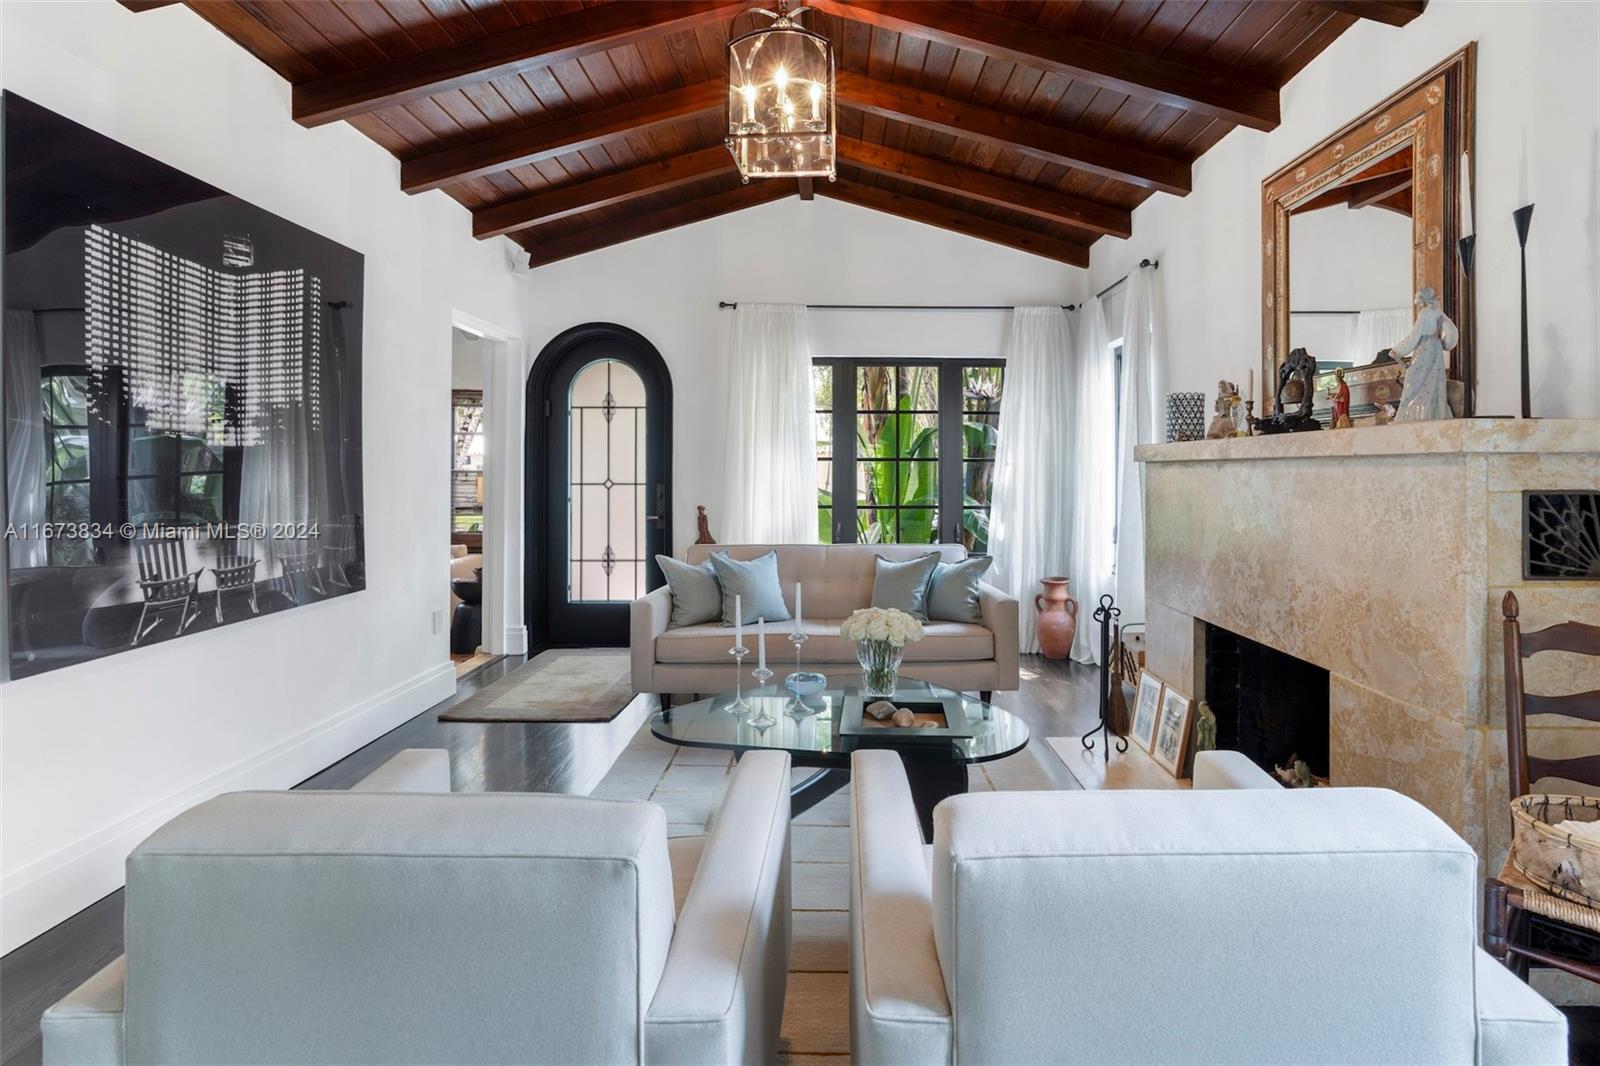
x=705 y=527
x=1425 y=396
x=1340 y=394
x=1225 y=422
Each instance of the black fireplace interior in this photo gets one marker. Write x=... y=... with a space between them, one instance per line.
x=1269 y=704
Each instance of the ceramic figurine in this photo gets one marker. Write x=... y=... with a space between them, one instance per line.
x=705 y=527
x=1426 y=396
x=1340 y=394
x=1223 y=424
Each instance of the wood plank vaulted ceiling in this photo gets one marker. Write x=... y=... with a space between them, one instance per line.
x=572 y=125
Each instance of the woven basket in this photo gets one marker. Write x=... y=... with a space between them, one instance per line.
x=1558 y=862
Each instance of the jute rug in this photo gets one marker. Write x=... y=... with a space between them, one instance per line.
x=564 y=685
x=688 y=784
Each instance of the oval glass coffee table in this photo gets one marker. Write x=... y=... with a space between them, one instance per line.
x=810 y=734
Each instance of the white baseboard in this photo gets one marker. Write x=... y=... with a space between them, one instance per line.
x=516 y=641
x=53 y=888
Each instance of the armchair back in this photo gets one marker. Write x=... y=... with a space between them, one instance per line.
x=381 y=927
x=1157 y=927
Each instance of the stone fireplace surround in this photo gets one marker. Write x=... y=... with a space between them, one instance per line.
x=1379 y=554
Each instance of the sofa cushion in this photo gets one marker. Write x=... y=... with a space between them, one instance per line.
x=709 y=644
x=696 y=592
x=953 y=590
x=837 y=577
x=902 y=584
x=755 y=583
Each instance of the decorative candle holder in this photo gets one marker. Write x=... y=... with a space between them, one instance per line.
x=763 y=716
x=738 y=708
x=801 y=683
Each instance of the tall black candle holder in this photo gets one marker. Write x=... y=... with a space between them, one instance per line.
x=1523 y=217
x=1469 y=341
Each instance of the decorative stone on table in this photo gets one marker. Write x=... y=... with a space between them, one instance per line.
x=880 y=710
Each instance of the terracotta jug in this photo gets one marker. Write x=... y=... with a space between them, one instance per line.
x=1058 y=618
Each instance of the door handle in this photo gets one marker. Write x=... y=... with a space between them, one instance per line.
x=659 y=518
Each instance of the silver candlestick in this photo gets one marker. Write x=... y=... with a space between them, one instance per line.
x=738 y=707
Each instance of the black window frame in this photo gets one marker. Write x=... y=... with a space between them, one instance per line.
x=951 y=459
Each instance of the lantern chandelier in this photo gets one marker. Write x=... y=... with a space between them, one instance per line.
x=781 y=121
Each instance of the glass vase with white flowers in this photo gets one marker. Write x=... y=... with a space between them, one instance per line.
x=880 y=635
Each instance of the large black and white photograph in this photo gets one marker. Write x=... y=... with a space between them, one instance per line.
x=182 y=402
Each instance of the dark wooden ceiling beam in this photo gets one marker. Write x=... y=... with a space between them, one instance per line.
x=542 y=251
x=575 y=133
x=957 y=221
x=592 y=194
x=1135 y=166
x=1147 y=77
x=539 y=44
x=1367 y=193
x=1389 y=12
x=980 y=185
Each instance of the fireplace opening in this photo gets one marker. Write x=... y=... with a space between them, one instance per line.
x=1269 y=704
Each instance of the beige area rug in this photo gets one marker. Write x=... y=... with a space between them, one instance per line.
x=563 y=685
x=688 y=783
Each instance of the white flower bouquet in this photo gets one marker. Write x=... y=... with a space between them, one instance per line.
x=880 y=635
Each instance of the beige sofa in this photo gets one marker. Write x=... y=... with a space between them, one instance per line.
x=837 y=579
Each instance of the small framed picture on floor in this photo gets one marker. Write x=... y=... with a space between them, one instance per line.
x=1172 y=730
x=1146 y=710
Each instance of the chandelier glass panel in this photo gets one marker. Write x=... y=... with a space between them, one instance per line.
x=781 y=121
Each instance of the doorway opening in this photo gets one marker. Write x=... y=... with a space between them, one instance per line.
x=599 y=493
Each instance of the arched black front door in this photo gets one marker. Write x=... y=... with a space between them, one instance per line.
x=599 y=499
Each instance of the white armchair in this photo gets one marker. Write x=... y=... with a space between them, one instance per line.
x=1242 y=923
x=386 y=926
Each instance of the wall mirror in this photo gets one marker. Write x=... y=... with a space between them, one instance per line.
x=1356 y=226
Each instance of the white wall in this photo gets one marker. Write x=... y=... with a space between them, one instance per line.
x=1349 y=260
x=466 y=361
x=1538 y=112
x=667 y=288
x=95 y=756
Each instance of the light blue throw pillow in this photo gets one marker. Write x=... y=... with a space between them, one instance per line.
x=755 y=582
x=953 y=590
x=696 y=592
x=903 y=586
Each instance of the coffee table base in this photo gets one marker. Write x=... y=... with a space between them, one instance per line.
x=930 y=783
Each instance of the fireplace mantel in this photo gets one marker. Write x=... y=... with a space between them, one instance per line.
x=1463 y=436
x=1381 y=555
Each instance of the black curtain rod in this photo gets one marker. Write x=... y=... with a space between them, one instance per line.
x=733 y=305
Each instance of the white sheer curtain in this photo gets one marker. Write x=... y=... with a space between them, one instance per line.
x=771 y=473
x=1142 y=352
x=1030 y=523
x=24 y=413
x=1093 y=459
x=283 y=480
x=1377 y=329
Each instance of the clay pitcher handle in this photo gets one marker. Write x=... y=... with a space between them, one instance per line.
x=1072 y=607
x=1038 y=603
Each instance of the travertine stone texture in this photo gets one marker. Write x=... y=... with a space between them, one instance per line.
x=1380 y=554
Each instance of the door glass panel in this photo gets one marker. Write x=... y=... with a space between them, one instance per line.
x=606 y=421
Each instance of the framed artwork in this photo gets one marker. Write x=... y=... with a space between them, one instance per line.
x=1172 y=730
x=182 y=402
x=1147 y=710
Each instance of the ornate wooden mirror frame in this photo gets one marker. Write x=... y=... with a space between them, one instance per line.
x=1432 y=116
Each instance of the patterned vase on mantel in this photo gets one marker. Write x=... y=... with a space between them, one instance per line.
x=1058 y=618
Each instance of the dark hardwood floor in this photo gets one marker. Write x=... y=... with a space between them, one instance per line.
x=1055 y=699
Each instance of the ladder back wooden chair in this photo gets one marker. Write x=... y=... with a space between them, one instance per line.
x=1523 y=924
x=167 y=583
